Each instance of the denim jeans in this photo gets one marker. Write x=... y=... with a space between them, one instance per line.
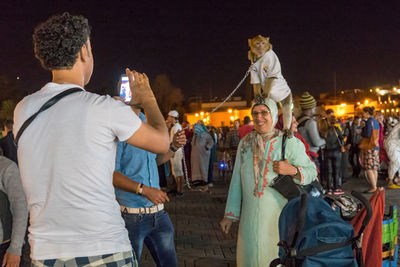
x=157 y=232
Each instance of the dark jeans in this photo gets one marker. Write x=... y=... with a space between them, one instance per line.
x=161 y=174
x=210 y=178
x=157 y=232
x=354 y=159
x=317 y=161
x=333 y=159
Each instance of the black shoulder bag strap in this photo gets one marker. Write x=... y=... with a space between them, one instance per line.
x=45 y=106
x=283 y=146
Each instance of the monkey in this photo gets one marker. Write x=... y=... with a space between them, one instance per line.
x=267 y=78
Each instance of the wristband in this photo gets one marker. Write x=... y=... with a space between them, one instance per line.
x=138 y=189
x=141 y=189
x=172 y=148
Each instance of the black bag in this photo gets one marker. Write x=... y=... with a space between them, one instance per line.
x=347 y=205
x=285 y=185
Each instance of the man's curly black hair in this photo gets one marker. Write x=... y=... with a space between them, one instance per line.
x=57 y=41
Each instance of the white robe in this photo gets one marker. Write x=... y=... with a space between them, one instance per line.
x=392 y=147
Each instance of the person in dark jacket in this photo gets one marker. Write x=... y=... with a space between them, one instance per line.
x=7 y=142
x=333 y=156
x=353 y=141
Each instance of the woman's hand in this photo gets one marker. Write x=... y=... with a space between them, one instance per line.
x=284 y=168
x=226 y=225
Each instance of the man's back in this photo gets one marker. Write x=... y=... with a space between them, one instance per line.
x=66 y=160
x=309 y=131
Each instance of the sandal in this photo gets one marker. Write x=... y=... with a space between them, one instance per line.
x=393 y=186
x=368 y=192
x=338 y=192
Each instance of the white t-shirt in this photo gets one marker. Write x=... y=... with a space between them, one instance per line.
x=66 y=158
x=268 y=66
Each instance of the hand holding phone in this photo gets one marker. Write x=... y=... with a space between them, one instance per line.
x=124 y=89
x=142 y=91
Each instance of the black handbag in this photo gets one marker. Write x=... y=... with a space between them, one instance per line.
x=285 y=185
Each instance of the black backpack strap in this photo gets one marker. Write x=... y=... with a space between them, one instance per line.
x=325 y=247
x=302 y=121
x=45 y=106
x=275 y=262
x=283 y=146
x=301 y=220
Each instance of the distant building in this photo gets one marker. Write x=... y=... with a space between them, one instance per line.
x=235 y=108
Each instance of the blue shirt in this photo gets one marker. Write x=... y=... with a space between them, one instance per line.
x=138 y=165
x=370 y=125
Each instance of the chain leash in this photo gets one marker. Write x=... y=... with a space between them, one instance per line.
x=230 y=95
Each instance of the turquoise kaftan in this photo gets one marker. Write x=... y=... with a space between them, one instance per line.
x=258 y=215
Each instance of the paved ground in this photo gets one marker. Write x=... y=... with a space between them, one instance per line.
x=198 y=238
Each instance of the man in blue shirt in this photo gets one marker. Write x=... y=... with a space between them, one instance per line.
x=141 y=199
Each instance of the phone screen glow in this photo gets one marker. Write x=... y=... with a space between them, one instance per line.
x=125 y=91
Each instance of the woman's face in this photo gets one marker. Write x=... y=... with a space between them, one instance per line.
x=262 y=119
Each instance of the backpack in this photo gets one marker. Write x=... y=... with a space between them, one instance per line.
x=302 y=120
x=346 y=206
x=312 y=234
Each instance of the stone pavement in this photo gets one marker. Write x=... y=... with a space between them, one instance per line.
x=198 y=238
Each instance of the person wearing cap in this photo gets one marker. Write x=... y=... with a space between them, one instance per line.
x=308 y=128
x=176 y=161
x=250 y=199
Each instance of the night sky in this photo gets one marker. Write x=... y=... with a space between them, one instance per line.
x=202 y=45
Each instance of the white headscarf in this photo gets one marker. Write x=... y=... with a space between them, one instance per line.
x=256 y=141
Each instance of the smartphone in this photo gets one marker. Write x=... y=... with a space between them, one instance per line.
x=124 y=89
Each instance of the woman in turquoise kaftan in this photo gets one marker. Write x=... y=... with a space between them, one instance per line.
x=251 y=201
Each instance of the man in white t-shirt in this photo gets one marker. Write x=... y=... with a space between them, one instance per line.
x=67 y=154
